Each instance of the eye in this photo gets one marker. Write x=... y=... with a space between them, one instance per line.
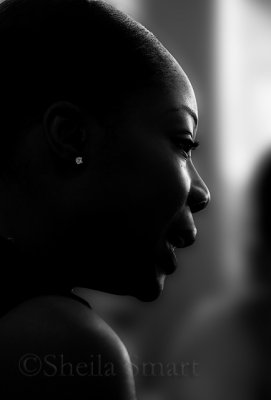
x=185 y=145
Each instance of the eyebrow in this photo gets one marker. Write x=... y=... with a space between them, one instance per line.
x=188 y=110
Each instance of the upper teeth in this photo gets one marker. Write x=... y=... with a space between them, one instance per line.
x=173 y=248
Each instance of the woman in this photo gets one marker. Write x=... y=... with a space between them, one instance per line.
x=98 y=187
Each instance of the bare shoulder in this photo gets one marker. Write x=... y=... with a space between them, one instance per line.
x=68 y=339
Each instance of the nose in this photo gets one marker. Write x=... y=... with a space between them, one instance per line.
x=199 y=195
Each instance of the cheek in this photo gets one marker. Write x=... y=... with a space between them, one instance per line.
x=148 y=185
x=161 y=184
x=174 y=184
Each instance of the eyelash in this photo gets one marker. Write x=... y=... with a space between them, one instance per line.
x=186 y=146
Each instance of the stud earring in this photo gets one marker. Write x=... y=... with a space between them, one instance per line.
x=79 y=160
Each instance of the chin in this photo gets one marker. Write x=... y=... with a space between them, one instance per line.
x=151 y=290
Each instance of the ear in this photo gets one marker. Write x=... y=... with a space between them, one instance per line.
x=65 y=130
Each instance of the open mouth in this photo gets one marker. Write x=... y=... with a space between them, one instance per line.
x=166 y=259
x=173 y=265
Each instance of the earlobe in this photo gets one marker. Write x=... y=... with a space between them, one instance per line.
x=65 y=130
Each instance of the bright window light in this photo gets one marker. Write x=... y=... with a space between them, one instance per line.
x=243 y=92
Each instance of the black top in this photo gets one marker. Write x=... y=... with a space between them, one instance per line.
x=17 y=287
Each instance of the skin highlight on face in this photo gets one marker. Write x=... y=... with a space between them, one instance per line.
x=161 y=135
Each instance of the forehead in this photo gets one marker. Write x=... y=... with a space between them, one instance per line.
x=172 y=100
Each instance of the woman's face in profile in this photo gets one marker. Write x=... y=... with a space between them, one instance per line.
x=145 y=192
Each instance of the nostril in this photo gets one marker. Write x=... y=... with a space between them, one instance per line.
x=195 y=207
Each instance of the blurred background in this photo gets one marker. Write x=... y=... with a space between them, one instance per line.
x=215 y=308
